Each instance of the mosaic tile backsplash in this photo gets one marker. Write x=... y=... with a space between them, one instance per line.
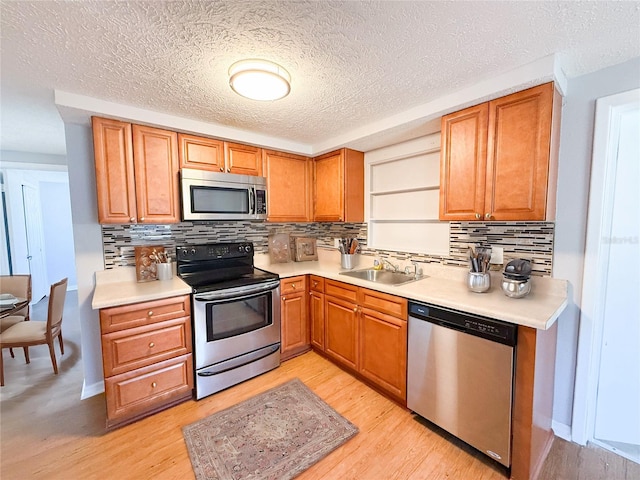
x=532 y=240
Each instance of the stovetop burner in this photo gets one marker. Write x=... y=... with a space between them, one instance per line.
x=216 y=266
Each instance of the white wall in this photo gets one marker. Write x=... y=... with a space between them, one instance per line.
x=88 y=248
x=576 y=141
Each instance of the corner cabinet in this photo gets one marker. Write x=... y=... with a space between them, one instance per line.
x=289 y=186
x=136 y=173
x=316 y=311
x=366 y=332
x=338 y=179
x=147 y=360
x=294 y=324
x=499 y=159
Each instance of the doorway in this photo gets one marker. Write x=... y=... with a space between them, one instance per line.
x=39 y=227
x=609 y=342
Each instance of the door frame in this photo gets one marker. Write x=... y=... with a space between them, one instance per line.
x=605 y=141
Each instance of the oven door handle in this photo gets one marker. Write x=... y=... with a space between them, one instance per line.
x=238 y=293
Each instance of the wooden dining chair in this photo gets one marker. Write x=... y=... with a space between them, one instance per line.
x=18 y=286
x=28 y=334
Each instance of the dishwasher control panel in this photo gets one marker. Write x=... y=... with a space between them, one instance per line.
x=489 y=328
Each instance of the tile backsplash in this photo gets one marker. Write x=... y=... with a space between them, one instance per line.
x=532 y=240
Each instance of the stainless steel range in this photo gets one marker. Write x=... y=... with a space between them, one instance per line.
x=235 y=314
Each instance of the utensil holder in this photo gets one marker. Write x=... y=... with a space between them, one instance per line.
x=165 y=271
x=346 y=261
x=478 y=282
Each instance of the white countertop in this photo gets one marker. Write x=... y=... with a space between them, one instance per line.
x=442 y=286
x=445 y=286
x=118 y=286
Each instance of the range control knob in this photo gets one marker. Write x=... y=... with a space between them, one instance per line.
x=247 y=248
x=239 y=248
x=193 y=251
x=184 y=252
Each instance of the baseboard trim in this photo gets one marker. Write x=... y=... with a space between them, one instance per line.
x=91 y=390
x=561 y=430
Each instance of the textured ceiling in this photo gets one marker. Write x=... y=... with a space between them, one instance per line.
x=351 y=63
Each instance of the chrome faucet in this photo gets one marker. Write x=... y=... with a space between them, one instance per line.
x=416 y=271
x=394 y=267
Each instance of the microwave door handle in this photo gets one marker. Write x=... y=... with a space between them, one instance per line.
x=252 y=201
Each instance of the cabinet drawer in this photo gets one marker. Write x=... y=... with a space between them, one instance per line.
x=384 y=303
x=127 y=350
x=138 y=314
x=341 y=290
x=292 y=285
x=316 y=283
x=146 y=389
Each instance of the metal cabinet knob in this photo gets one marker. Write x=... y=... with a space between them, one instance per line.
x=132 y=219
x=284 y=299
x=154 y=385
x=478 y=216
x=293 y=285
x=228 y=170
x=487 y=216
x=142 y=219
x=150 y=313
x=355 y=309
x=151 y=345
x=221 y=169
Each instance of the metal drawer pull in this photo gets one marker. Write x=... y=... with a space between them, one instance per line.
x=150 y=313
x=151 y=345
x=154 y=385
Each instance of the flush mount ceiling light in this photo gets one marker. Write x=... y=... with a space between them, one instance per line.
x=259 y=79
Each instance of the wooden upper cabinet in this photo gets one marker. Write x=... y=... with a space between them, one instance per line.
x=289 y=186
x=518 y=152
x=498 y=160
x=115 y=181
x=338 y=179
x=463 y=163
x=243 y=159
x=201 y=153
x=155 y=154
x=136 y=173
x=214 y=155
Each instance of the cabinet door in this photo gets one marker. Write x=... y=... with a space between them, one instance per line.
x=463 y=158
x=518 y=155
x=383 y=352
x=243 y=159
x=295 y=334
x=115 y=181
x=155 y=154
x=288 y=187
x=201 y=153
x=341 y=334
x=316 y=317
x=338 y=180
x=328 y=178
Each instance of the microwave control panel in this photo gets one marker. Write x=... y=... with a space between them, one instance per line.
x=261 y=202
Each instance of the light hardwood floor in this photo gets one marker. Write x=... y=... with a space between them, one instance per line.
x=48 y=433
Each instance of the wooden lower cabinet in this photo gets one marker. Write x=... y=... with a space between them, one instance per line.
x=293 y=317
x=383 y=351
x=341 y=334
x=366 y=332
x=146 y=355
x=316 y=311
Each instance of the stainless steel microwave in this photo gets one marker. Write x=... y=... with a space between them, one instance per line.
x=222 y=196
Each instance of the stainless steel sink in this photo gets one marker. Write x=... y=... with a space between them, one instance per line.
x=383 y=276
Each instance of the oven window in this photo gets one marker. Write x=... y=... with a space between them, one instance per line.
x=219 y=200
x=236 y=317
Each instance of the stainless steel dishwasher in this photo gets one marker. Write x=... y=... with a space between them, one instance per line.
x=460 y=376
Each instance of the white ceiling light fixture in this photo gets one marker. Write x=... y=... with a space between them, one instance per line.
x=259 y=79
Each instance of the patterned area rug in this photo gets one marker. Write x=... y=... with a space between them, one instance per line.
x=275 y=435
